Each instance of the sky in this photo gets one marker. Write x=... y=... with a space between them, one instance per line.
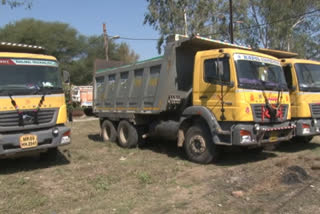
x=122 y=17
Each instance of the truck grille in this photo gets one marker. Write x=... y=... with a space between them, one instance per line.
x=315 y=110
x=9 y=119
x=257 y=113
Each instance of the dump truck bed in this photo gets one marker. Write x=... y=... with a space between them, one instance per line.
x=155 y=85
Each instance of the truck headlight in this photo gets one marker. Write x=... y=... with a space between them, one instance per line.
x=305 y=129
x=245 y=136
x=55 y=132
x=66 y=137
x=257 y=127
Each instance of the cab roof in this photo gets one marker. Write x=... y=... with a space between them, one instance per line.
x=200 y=41
x=21 y=48
x=277 y=53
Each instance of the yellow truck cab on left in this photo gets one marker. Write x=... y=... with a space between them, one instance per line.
x=32 y=102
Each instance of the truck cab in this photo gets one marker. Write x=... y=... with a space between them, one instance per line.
x=249 y=97
x=32 y=102
x=303 y=79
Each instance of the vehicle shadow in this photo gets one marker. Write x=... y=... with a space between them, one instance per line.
x=231 y=156
x=163 y=146
x=95 y=137
x=292 y=147
x=32 y=162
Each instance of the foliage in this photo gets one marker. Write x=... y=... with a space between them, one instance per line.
x=288 y=24
x=17 y=3
x=291 y=25
x=75 y=52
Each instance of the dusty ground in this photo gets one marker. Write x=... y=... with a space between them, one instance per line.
x=90 y=176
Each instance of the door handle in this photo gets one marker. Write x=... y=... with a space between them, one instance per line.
x=203 y=97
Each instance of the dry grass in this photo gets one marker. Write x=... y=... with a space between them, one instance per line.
x=90 y=176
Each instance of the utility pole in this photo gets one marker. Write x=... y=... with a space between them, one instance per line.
x=105 y=36
x=185 y=22
x=231 y=22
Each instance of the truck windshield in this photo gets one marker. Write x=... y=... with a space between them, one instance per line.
x=259 y=73
x=308 y=76
x=29 y=77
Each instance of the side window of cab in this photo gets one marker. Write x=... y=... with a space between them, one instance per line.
x=288 y=76
x=212 y=68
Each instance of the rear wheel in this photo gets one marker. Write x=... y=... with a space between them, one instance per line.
x=198 y=145
x=108 y=131
x=127 y=135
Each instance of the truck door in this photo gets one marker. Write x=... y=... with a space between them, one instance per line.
x=215 y=87
x=292 y=83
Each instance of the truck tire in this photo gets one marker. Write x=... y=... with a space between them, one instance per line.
x=127 y=135
x=198 y=145
x=108 y=131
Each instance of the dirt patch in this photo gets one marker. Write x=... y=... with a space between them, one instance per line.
x=294 y=175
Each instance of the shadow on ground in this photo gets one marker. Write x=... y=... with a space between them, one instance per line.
x=34 y=162
x=291 y=147
x=164 y=146
x=95 y=137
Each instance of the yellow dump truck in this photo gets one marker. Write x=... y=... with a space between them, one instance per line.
x=32 y=101
x=303 y=79
x=206 y=92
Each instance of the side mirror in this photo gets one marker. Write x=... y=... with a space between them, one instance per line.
x=66 y=77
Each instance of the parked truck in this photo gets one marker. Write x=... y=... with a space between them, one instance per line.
x=303 y=79
x=82 y=95
x=217 y=94
x=32 y=102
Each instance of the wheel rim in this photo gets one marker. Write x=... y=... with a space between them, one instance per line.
x=107 y=132
x=197 y=144
x=124 y=132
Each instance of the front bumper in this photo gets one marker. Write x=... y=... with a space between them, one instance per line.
x=314 y=127
x=10 y=142
x=258 y=135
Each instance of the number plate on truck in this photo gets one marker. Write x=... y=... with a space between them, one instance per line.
x=273 y=137
x=28 y=141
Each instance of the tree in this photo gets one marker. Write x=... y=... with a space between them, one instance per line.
x=75 y=52
x=287 y=24
x=203 y=17
x=17 y=3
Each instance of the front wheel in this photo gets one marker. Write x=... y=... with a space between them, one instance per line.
x=198 y=145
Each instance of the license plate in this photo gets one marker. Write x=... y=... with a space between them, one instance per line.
x=28 y=141
x=273 y=137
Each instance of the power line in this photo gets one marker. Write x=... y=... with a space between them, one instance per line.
x=144 y=39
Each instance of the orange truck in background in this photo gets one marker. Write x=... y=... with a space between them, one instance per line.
x=82 y=95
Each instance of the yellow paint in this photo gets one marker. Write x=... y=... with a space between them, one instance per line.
x=28 y=102
x=62 y=116
x=300 y=100
x=26 y=55
x=153 y=82
x=138 y=82
x=237 y=101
